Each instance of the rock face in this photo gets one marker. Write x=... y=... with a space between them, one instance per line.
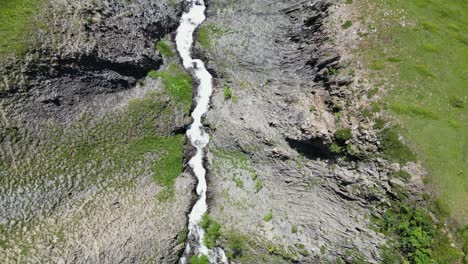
x=81 y=142
x=275 y=179
x=85 y=49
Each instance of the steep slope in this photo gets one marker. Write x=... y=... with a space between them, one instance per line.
x=90 y=156
x=278 y=180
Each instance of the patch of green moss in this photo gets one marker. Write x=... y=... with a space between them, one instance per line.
x=343 y=134
x=209 y=32
x=178 y=83
x=268 y=217
x=165 y=49
x=202 y=259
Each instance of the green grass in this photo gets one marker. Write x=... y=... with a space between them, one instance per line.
x=227 y=92
x=90 y=144
x=178 y=83
x=393 y=148
x=212 y=231
x=104 y=153
x=207 y=33
x=16 y=24
x=268 y=217
x=417 y=239
x=343 y=134
x=431 y=85
x=347 y=24
x=238 y=181
x=164 y=48
x=202 y=259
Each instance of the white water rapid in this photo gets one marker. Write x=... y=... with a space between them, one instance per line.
x=184 y=39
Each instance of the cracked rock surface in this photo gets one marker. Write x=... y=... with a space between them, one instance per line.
x=273 y=179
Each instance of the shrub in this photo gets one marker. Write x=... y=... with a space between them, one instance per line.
x=238 y=181
x=182 y=236
x=416 y=237
x=353 y=151
x=227 y=93
x=258 y=185
x=402 y=174
x=164 y=49
x=456 y=102
x=343 y=134
x=379 y=123
x=212 y=230
x=294 y=229
x=268 y=216
x=236 y=245
x=372 y=92
x=394 y=149
x=347 y=24
x=334 y=148
x=199 y=260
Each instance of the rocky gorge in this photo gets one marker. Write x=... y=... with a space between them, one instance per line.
x=94 y=161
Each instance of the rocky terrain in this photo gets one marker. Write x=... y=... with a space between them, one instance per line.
x=93 y=153
x=284 y=96
x=83 y=145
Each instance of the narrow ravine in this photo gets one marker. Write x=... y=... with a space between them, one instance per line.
x=198 y=137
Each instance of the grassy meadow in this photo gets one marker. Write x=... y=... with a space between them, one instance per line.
x=419 y=48
x=15 y=24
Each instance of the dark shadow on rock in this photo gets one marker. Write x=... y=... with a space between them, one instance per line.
x=314 y=148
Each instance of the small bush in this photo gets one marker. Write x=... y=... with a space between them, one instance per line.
x=164 y=49
x=294 y=229
x=343 y=134
x=353 y=151
x=268 y=216
x=238 y=181
x=209 y=32
x=417 y=239
x=212 y=231
x=258 y=185
x=182 y=236
x=237 y=244
x=334 y=148
x=227 y=93
x=401 y=174
x=372 y=92
x=394 y=149
x=379 y=123
x=347 y=24
x=312 y=108
x=199 y=260
x=456 y=102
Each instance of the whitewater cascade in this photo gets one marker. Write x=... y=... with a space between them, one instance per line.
x=198 y=137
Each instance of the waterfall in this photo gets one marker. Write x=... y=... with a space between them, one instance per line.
x=196 y=134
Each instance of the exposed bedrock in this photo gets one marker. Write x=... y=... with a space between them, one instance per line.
x=84 y=49
x=274 y=179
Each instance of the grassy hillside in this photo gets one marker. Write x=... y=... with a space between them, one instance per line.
x=15 y=24
x=419 y=48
